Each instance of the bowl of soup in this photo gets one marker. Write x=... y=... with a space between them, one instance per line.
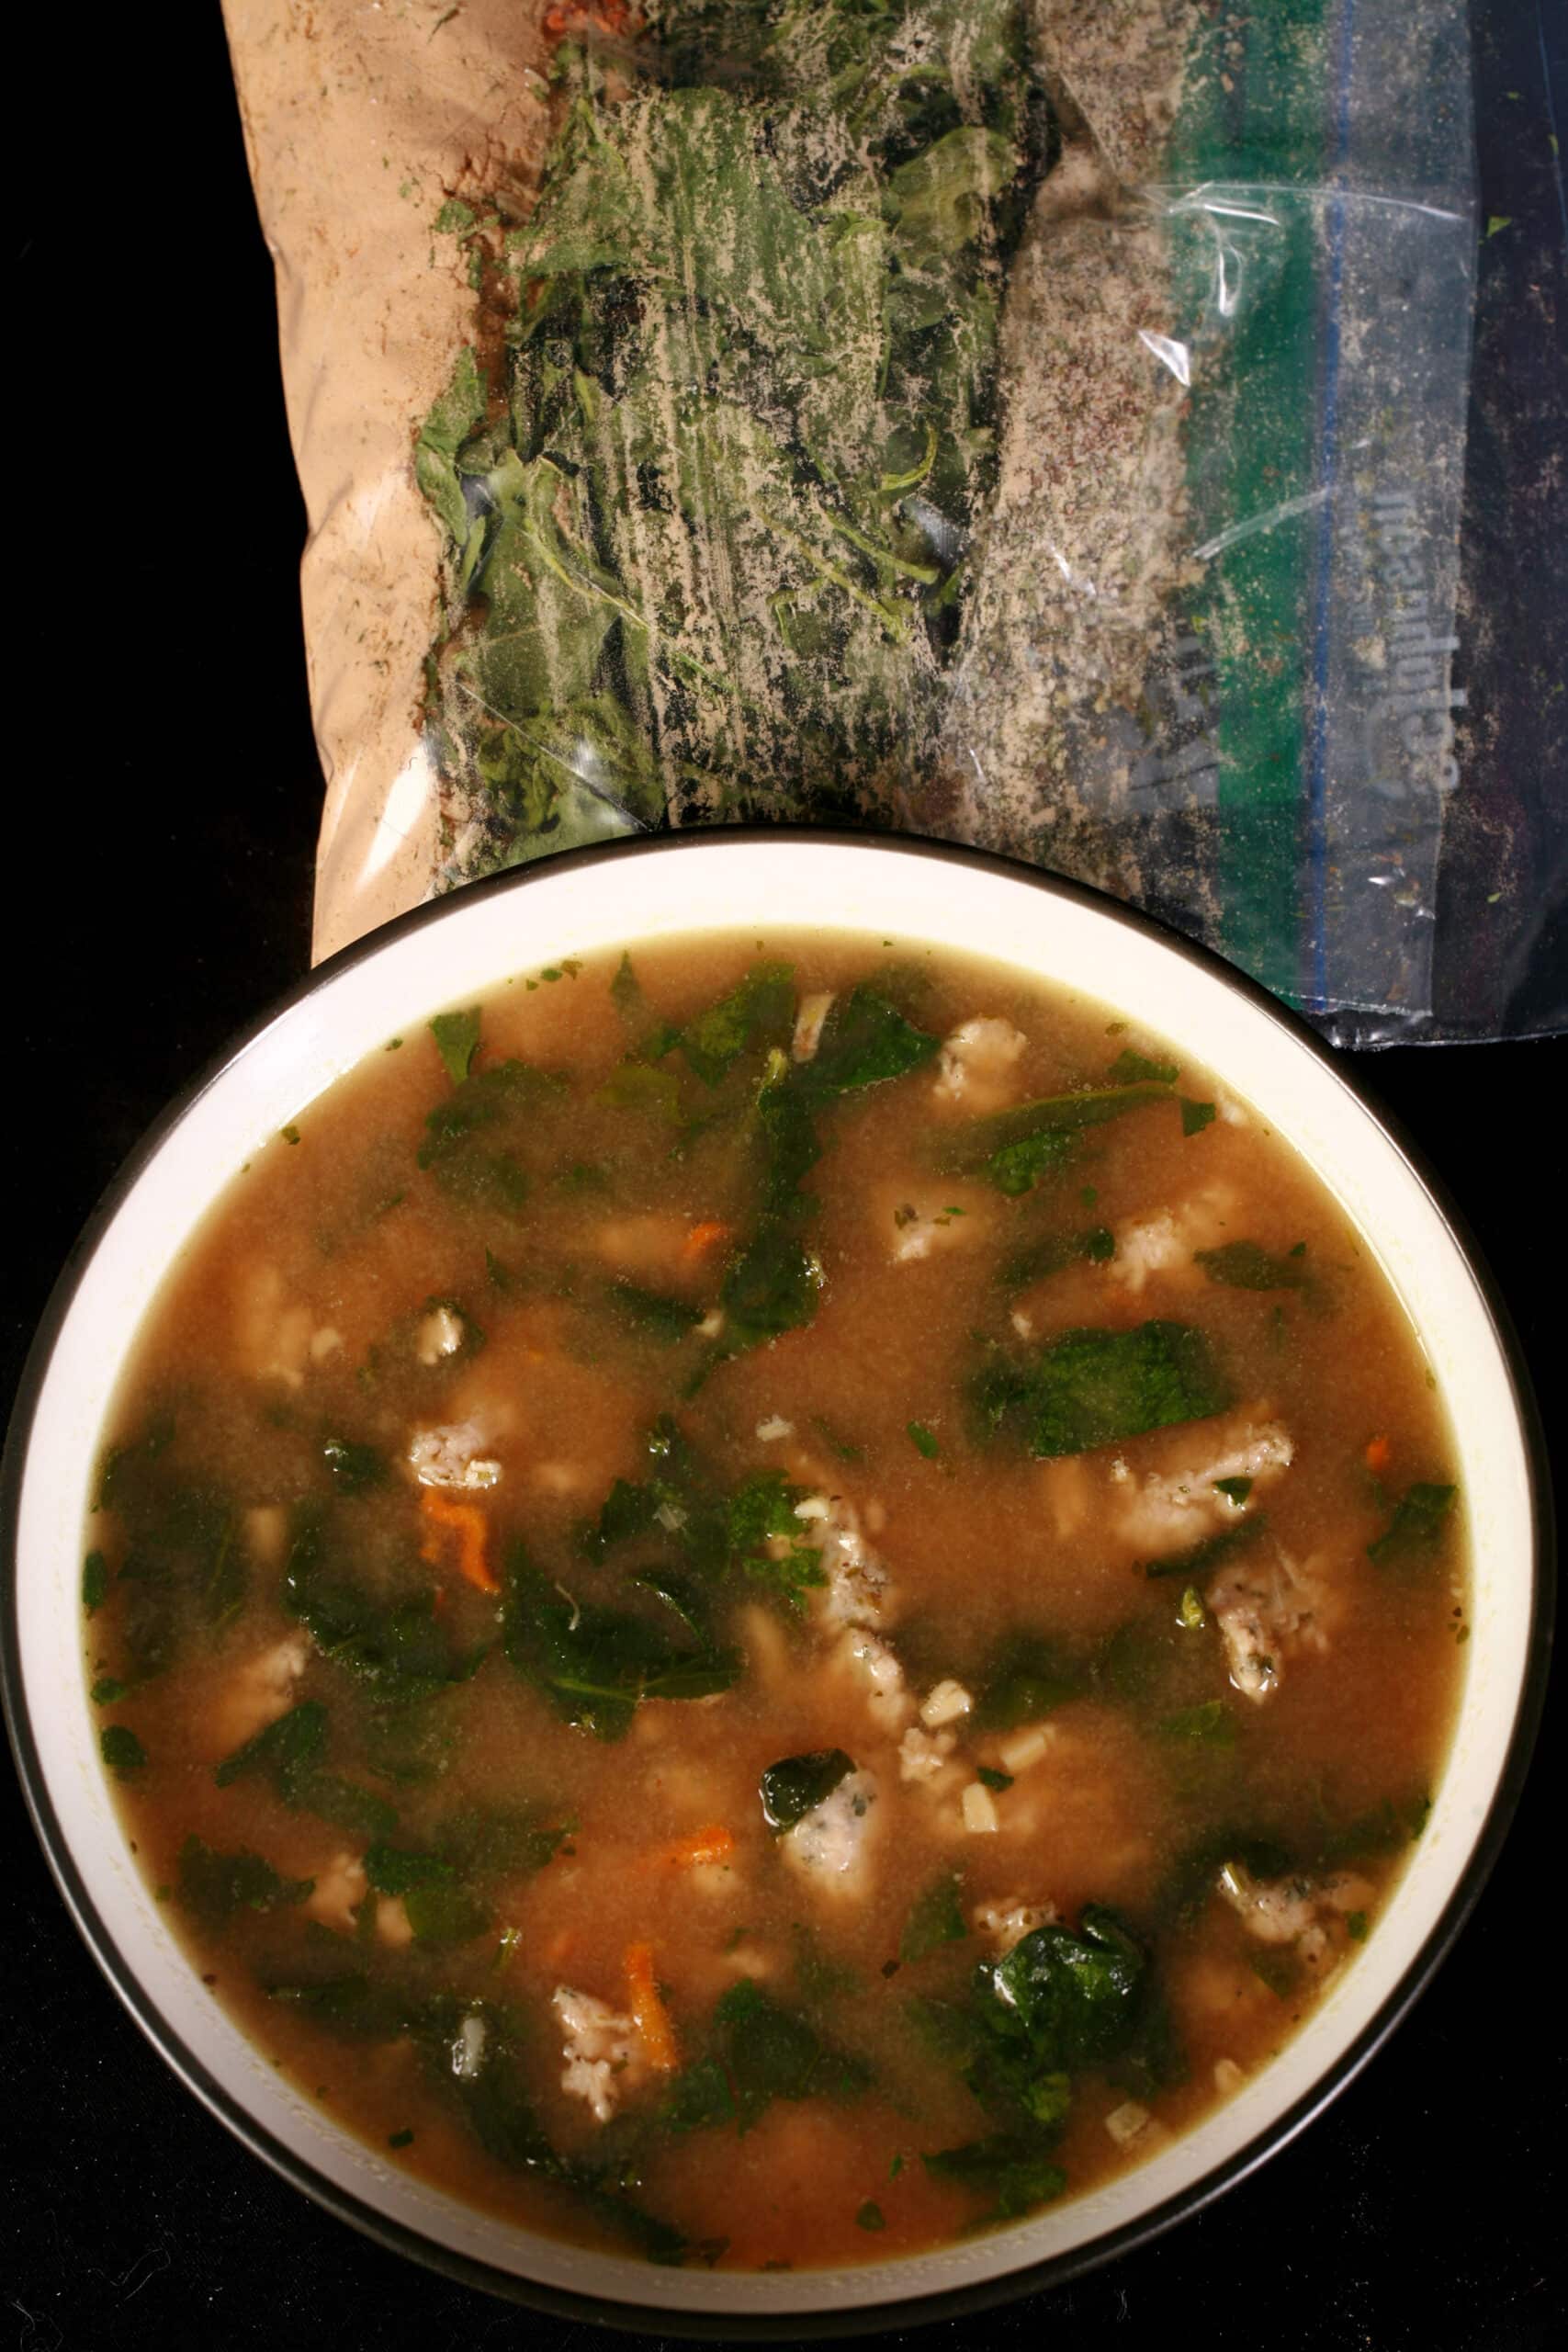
x=771 y=1581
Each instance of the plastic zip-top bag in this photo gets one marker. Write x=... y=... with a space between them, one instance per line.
x=1037 y=426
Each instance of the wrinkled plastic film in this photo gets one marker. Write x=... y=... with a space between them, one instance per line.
x=1042 y=427
x=1248 y=726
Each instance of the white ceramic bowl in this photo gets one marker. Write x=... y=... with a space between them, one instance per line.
x=593 y=899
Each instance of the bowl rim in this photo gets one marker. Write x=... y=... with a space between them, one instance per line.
x=846 y=2321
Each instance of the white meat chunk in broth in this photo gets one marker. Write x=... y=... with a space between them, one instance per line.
x=978 y=1072
x=1164 y=1245
x=808 y=1025
x=1007 y=1922
x=466 y=2050
x=441 y=1334
x=601 y=2050
x=1302 y=1913
x=921 y=1218
x=1269 y=1610
x=272 y=1335
x=255 y=1693
x=340 y=1888
x=831 y=1848
x=859 y=1590
x=452 y=1455
x=1181 y=1500
x=864 y=1663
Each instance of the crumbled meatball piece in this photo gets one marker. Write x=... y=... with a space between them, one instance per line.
x=599 y=2048
x=450 y=1456
x=979 y=1066
x=831 y=1846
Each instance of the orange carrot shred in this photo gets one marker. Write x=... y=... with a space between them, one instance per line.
x=714 y=1844
x=1379 y=1456
x=647 y=2007
x=467 y=1521
x=703 y=1237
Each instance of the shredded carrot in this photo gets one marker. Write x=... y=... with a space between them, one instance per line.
x=703 y=1237
x=609 y=16
x=649 y=2009
x=714 y=1844
x=1379 y=1456
x=467 y=1523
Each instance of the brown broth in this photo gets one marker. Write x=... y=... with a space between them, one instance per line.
x=297 y=1318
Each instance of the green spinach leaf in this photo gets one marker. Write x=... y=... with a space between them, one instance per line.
x=457 y=1036
x=1089 y=1388
x=796 y=1785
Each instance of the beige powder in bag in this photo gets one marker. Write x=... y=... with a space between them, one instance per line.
x=362 y=120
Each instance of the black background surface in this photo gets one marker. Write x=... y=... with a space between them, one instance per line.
x=164 y=794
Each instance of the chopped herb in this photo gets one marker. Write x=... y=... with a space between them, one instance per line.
x=122 y=1751
x=871 y=2216
x=397 y=1646
x=1196 y=1116
x=796 y=1785
x=1191 y=1611
x=1089 y=1388
x=286 y=1753
x=626 y=989
x=457 y=1036
x=1234 y=1490
x=922 y=1441
x=638 y=1086
x=501 y=1277
x=769 y=1289
x=1200 y=1558
x=1058 y=1251
x=759 y=1010
x=1418 y=1523
x=1016 y=2177
x=94 y=1582
x=1025 y=1679
x=663 y=1320
x=895 y=2168
x=757 y=1516
x=699 y=2097
x=403 y=2139
x=1356 y=1927
x=290 y=1739
x=1211 y=1725
x=1014 y=1149
x=866 y=1042
x=289 y=1135
x=1129 y=1068
x=355 y=1468
x=214 y=1886
x=990 y=1778
x=937 y=1919
x=106 y=1692
x=1243 y=1265
x=771 y=2051
x=1277 y=1970
x=473 y=1138
x=839 y=1445
x=1062 y=2000
x=596 y=1665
